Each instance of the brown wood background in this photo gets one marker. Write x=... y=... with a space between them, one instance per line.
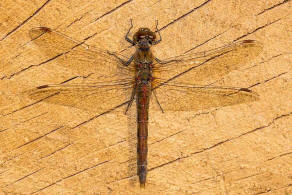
x=241 y=149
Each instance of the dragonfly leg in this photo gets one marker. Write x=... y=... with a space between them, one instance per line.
x=164 y=62
x=160 y=38
x=131 y=100
x=126 y=63
x=127 y=35
x=154 y=92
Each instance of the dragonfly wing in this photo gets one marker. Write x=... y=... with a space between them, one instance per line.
x=205 y=67
x=91 y=97
x=194 y=98
x=82 y=58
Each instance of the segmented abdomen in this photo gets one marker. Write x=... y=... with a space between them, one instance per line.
x=142 y=101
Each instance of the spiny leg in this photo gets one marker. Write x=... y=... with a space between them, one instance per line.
x=131 y=100
x=165 y=62
x=154 y=92
x=128 y=62
x=160 y=38
x=125 y=63
x=126 y=37
x=158 y=41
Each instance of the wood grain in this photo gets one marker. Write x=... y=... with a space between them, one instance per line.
x=239 y=149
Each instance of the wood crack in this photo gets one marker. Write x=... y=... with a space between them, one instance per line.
x=222 y=142
x=184 y=15
x=167 y=137
x=267 y=60
x=29 y=105
x=72 y=175
x=25 y=21
x=35 y=139
x=96 y=116
x=77 y=19
x=206 y=41
x=75 y=77
x=24 y=177
x=257 y=29
x=269 y=79
x=31 y=66
x=111 y=11
x=58 y=150
x=274 y=6
x=279 y=156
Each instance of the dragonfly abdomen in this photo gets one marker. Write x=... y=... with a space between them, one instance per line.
x=142 y=101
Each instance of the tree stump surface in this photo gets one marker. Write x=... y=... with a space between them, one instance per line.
x=238 y=149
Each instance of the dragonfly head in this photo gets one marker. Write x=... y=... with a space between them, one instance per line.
x=144 y=38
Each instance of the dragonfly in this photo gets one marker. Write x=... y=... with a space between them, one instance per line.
x=179 y=83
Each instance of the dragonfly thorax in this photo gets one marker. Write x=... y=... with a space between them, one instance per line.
x=144 y=75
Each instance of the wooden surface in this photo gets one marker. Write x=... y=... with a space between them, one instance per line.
x=240 y=149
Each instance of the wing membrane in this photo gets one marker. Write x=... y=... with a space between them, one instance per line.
x=176 y=97
x=91 y=97
x=77 y=56
x=205 y=67
x=116 y=81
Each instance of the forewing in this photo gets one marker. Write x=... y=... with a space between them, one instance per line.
x=91 y=97
x=205 y=67
x=78 y=56
x=194 y=98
